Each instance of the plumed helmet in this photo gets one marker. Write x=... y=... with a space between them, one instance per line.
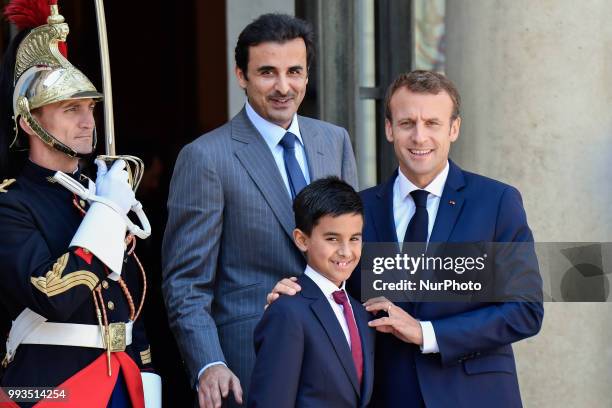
x=43 y=75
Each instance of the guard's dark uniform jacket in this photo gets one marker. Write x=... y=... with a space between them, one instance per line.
x=38 y=270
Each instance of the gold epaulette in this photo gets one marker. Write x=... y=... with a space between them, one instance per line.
x=5 y=184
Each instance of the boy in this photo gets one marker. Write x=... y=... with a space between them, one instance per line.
x=315 y=349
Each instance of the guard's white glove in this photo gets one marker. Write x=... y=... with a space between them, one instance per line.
x=104 y=226
x=113 y=185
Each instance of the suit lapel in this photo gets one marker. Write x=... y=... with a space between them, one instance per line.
x=384 y=223
x=367 y=344
x=257 y=159
x=326 y=316
x=450 y=207
x=382 y=213
x=315 y=150
x=451 y=204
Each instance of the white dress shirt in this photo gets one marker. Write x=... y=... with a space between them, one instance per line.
x=328 y=288
x=403 y=203
x=403 y=211
x=273 y=134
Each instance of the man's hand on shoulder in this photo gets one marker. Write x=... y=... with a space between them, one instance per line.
x=214 y=385
x=286 y=286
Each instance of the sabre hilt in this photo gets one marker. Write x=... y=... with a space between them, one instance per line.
x=89 y=194
x=134 y=166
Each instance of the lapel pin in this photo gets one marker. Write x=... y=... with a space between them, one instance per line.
x=451 y=202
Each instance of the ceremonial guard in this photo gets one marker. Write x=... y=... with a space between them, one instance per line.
x=70 y=280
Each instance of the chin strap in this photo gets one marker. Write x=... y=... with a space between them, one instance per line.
x=89 y=195
x=44 y=135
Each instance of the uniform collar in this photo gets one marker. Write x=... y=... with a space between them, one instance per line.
x=42 y=175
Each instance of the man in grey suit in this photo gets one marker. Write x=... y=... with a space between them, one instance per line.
x=228 y=237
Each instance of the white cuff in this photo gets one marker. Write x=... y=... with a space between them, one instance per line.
x=430 y=344
x=152 y=387
x=204 y=369
x=102 y=232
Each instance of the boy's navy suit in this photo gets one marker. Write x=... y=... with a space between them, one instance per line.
x=475 y=366
x=303 y=357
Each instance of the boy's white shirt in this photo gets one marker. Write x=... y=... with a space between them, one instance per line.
x=328 y=287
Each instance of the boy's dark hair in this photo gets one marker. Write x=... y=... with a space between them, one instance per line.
x=326 y=196
x=273 y=27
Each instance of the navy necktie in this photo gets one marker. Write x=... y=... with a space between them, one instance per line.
x=294 y=172
x=417 y=228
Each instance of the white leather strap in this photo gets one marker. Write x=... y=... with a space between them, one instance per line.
x=25 y=323
x=31 y=328
x=72 y=334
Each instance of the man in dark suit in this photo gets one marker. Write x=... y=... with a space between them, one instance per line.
x=228 y=237
x=321 y=334
x=444 y=354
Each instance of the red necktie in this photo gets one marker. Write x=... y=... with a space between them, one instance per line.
x=341 y=298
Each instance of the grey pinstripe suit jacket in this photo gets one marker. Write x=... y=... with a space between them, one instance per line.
x=228 y=237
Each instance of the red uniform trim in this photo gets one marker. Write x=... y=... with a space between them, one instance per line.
x=5 y=401
x=84 y=255
x=92 y=387
x=133 y=379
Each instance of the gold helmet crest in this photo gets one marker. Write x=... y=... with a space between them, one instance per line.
x=43 y=75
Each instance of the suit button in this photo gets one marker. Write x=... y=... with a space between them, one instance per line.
x=85 y=251
x=82 y=203
x=111 y=305
x=105 y=284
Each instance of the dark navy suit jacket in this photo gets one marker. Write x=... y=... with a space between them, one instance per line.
x=303 y=358
x=475 y=366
